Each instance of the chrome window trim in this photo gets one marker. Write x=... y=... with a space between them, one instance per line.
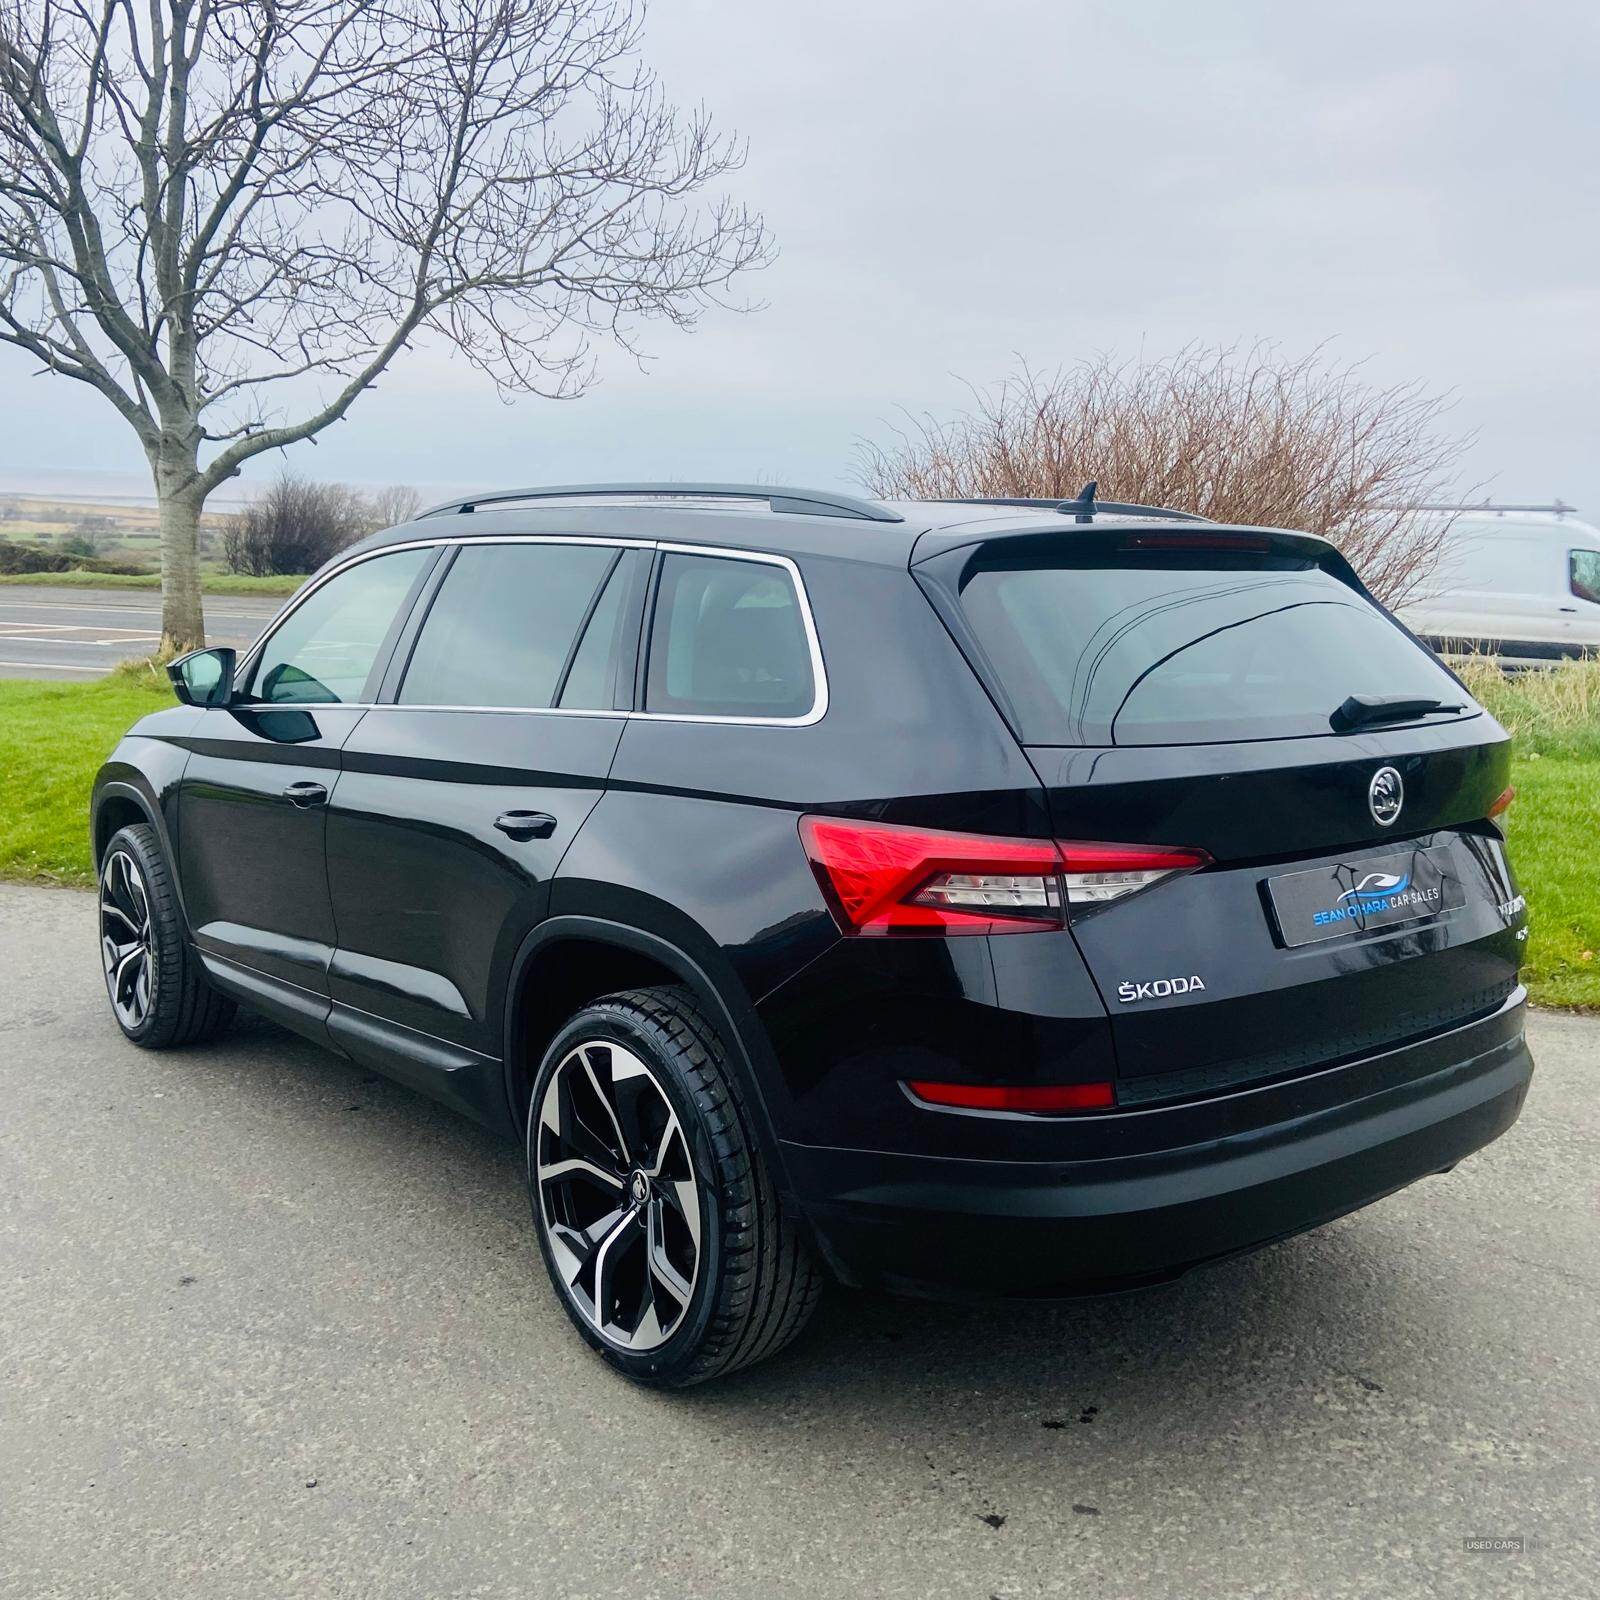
x=819 y=677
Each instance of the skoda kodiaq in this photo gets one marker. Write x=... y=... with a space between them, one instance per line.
x=1017 y=898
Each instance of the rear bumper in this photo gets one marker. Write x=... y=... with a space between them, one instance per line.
x=1197 y=1182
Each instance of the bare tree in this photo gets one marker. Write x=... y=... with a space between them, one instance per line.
x=228 y=216
x=1237 y=435
x=387 y=508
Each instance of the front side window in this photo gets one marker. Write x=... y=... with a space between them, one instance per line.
x=325 y=650
x=501 y=628
x=1584 y=574
x=728 y=640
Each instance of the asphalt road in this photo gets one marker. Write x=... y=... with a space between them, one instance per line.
x=272 y=1326
x=81 y=633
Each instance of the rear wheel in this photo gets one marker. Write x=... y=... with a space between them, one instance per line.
x=158 y=993
x=656 y=1217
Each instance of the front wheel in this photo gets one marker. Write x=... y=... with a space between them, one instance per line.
x=158 y=993
x=656 y=1216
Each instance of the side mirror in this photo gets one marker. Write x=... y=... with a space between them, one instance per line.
x=204 y=677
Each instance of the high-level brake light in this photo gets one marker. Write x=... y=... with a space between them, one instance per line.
x=1201 y=539
x=884 y=879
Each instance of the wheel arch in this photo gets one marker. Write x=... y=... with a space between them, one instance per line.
x=120 y=804
x=568 y=961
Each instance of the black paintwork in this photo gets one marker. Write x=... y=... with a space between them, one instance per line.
x=395 y=917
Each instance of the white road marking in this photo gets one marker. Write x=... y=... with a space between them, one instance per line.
x=151 y=608
x=44 y=631
x=51 y=666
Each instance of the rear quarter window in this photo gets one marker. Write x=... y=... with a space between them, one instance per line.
x=728 y=639
x=1583 y=574
x=1190 y=649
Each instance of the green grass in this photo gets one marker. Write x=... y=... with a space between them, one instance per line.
x=53 y=737
x=210 y=583
x=1554 y=824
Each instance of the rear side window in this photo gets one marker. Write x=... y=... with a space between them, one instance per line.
x=728 y=640
x=503 y=623
x=1584 y=574
x=591 y=682
x=1191 y=649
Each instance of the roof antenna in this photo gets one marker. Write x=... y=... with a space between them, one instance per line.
x=1084 y=503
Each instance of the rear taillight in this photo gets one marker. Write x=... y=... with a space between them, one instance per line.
x=1502 y=801
x=883 y=879
x=1097 y=874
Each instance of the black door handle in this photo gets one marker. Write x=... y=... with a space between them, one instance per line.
x=526 y=824
x=306 y=794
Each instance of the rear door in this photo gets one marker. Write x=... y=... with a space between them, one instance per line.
x=1183 y=690
x=462 y=790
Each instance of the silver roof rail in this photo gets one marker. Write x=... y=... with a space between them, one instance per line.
x=1557 y=508
x=806 y=502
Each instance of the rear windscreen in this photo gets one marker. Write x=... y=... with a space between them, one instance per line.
x=1184 y=649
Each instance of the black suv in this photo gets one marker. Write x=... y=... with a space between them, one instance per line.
x=1026 y=898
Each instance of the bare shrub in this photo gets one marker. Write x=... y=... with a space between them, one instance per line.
x=294 y=525
x=1238 y=435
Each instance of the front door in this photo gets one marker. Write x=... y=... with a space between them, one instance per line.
x=252 y=807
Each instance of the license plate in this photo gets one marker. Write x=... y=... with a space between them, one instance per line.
x=1377 y=892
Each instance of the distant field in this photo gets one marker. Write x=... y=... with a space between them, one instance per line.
x=119 y=532
x=210 y=582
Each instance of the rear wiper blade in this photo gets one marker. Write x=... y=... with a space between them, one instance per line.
x=1362 y=710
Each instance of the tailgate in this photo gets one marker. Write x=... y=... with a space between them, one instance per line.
x=1285 y=954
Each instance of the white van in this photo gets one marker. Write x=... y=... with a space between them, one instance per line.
x=1519 y=582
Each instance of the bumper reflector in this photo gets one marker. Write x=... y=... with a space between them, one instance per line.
x=1016 y=1096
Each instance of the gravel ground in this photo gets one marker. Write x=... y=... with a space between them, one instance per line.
x=272 y=1326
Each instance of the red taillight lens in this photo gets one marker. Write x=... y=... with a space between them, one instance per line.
x=1502 y=801
x=880 y=878
x=884 y=879
x=1016 y=1097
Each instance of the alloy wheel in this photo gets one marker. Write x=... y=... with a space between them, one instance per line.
x=618 y=1195
x=127 y=950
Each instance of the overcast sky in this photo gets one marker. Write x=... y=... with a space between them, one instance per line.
x=951 y=185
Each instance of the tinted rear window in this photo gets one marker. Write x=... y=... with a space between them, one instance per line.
x=502 y=624
x=1190 y=649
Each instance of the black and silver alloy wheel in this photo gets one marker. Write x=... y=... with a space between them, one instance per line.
x=618 y=1195
x=658 y=1221
x=158 y=990
x=127 y=950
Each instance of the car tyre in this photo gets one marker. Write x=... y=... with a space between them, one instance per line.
x=656 y=1216
x=158 y=993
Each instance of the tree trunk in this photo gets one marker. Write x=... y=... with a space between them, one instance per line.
x=183 y=623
